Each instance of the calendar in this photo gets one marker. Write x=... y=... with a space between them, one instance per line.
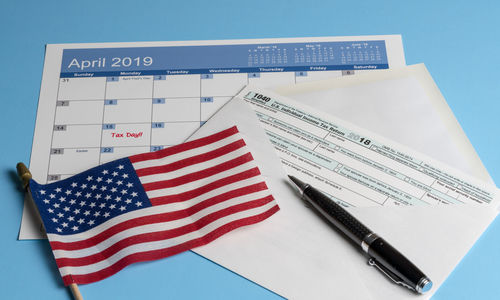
x=101 y=102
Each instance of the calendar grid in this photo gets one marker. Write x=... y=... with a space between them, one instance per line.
x=52 y=132
x=108 y=102
x=102 y=119
x=151 y=115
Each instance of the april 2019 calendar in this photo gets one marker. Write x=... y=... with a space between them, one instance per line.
x=100 y=102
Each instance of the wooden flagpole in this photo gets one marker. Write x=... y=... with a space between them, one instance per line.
x=75 y=291
x=25 y=176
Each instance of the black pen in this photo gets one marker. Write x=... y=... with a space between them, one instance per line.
x=381 y=254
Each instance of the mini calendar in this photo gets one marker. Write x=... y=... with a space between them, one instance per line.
x=101 y=102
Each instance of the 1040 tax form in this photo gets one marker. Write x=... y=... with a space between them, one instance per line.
x=355 y=169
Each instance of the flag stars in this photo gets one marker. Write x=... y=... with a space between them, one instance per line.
x=91 y=200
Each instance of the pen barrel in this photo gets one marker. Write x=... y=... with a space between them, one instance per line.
x=392 y=260
x=337 y=215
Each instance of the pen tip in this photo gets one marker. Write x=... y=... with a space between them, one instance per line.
x=299 y=184
x=293 y=179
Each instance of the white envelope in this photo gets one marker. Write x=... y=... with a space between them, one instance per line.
x=403 y=104
x=299 y=256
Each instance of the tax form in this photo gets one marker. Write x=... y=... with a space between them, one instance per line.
x=428 y=211
x=100 y=102
x=353 y=168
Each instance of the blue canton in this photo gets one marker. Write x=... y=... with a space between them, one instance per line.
x=88 y=199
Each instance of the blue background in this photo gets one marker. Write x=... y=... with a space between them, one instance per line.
x=457 y=40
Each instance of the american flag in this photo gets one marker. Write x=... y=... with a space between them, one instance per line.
x=152 y=205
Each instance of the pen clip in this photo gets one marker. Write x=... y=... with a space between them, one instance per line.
x=395 y=278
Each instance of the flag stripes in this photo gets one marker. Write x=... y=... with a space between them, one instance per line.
x=187 y=149
x=166 y=252
x=186 y=162
x=198 y=190
x=142 y=246
x=96 y=254
x=217 y=171
x=188 y=194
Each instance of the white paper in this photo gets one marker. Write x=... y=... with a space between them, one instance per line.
x=297 y=255
x=156 y=94
x=403 y=104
